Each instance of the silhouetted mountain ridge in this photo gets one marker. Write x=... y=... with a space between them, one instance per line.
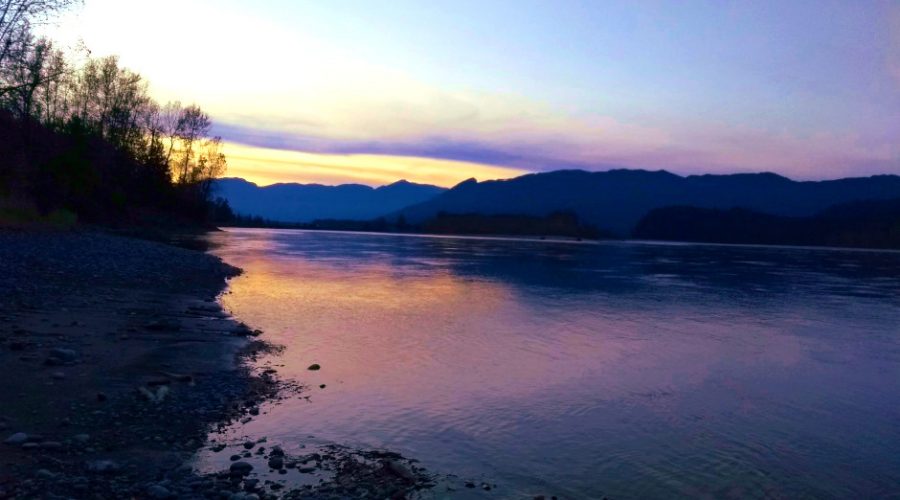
x=616 y=200
x=291 y=202
x=873 y=224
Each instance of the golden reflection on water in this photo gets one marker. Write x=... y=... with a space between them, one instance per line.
x=405 y=336
x=454 y=352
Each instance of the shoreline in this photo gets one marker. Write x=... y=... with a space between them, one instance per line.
x=117 y=361
x=119 y=365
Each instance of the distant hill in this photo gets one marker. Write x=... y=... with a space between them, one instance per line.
x=874 y=224
x=616 y=200
x=308 y=202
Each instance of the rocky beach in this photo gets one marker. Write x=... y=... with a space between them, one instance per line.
x=118 y=364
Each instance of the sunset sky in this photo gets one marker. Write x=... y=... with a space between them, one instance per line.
x=440 y=91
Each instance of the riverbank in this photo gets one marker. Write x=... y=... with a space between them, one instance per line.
x=118 y=363
x=116 y=360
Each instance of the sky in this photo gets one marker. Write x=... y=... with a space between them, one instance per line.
x=441 y=91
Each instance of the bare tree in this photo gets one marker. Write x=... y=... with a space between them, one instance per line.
x=193 y=125
x=17 y=17
x=211 y=165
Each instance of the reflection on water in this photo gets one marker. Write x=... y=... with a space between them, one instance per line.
x=584 y=370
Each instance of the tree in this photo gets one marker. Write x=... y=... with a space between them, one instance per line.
x=193 y=125
x=17 y=17
x=87 y=136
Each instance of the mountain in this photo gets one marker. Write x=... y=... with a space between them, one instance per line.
x=308 y=202
x=616 y=200
x=873 y=224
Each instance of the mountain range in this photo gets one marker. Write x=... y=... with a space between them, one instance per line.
x=612 y=203
x=309 y=202
x=615 y=201
x=870 y=224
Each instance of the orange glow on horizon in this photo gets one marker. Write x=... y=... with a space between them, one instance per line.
x=265 y=166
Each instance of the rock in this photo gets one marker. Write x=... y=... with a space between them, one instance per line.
x=314 y=367
x=64 y=355
x=250 y=484
x=157 y=491
x=103 y=467
x=276 y=463
x=277 y=451
x=51 y=445
x=240 y=468
x=17 y=439
x=234 y=458
x=243 y=330
x=156 y=396
x=81 y=438
x=321 y=386
x=249 y=445
x=101 y=397
x=29 y=446
x=400 y=470
x=217 y=447
x=470 y=484
x=44 y=474
x=306 y=470
x=58 y=375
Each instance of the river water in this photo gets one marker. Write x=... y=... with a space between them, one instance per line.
x=583 y=370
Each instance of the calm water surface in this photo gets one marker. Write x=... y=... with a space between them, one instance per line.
x=582 y=370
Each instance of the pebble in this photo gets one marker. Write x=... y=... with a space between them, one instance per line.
x=400 y=470
x=63 y=355
x=276 y=463
x=103 y=467
x=44 y=474
x=314 y=367
x=158 y=491
x=241 y=468
x=17 y=439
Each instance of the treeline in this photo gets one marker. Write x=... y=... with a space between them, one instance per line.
x=871 y=224
x=565 y=224
x=83 y=134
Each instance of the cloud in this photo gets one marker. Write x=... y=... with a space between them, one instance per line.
x=602 y=143
x=267 y=166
